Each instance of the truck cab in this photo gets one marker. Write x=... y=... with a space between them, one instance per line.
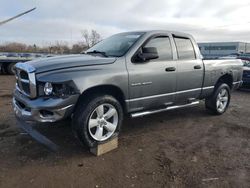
x=174 y=77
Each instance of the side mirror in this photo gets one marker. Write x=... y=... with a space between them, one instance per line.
x=148 y=53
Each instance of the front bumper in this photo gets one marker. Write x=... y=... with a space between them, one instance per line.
x=43 y=109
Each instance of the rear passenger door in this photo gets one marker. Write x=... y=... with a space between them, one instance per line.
x=189 y=71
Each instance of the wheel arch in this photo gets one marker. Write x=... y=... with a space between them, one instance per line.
x=112 y=90
x=226 y=78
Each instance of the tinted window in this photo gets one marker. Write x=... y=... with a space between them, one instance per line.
x=162 y=44
x=185 y=48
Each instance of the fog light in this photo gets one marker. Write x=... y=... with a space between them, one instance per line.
x=48 y=88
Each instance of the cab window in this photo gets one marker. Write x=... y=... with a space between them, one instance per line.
x=163 y=46
x=185 y=49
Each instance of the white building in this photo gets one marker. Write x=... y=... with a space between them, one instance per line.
x=212 y=50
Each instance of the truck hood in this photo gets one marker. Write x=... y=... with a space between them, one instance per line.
x=68 y=61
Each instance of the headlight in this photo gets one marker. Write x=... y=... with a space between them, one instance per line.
x=48 y=88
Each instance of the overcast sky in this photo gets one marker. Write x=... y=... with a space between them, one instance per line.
x=63 y=20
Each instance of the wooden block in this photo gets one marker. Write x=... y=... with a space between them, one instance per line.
x=101 y=149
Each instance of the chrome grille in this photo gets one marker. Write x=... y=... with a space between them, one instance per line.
x=26 y=82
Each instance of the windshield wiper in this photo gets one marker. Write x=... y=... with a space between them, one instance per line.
x=97 y=52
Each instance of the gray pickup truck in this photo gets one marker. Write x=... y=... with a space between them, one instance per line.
x=135 y=73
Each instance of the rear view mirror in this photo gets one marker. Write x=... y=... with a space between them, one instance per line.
x=148 y=53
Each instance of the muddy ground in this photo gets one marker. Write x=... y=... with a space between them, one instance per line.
x=182 y=148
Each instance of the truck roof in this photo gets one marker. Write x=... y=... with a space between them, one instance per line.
x=181 y=34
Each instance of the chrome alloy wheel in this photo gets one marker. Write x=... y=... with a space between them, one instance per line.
x=222 y=100
x=103 y=122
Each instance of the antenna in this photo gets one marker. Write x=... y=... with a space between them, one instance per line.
x=19 y=15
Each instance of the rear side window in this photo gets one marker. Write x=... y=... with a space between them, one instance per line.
x=163 y=46
x=185 y=49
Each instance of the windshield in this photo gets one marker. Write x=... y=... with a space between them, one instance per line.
x=116 y=45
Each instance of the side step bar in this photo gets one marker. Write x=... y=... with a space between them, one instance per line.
x=139 y=114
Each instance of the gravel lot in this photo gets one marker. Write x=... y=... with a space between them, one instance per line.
x=182 y=148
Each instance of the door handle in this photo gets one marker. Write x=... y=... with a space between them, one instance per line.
x=170 y=69
x=197 y=67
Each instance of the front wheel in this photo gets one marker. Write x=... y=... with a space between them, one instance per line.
x=219 y=101
x=97 y=119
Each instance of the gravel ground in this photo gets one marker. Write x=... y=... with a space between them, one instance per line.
x=181 y=148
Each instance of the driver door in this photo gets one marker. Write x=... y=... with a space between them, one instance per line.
x=152 y=83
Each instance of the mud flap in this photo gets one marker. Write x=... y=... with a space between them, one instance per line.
x=37 y=136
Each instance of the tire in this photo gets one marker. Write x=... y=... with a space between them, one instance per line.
x=10 y=68
x=1 y=69
x=4 y=69
x=220 y=99
x=97 y=119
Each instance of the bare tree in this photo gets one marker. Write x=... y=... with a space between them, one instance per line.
x=59 y=47
x=13 y=47
x=91 y=38
x=86 y=38
x=78 y=48
x=95 y=37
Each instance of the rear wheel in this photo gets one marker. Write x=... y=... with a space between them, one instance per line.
x=97 y=119
x=219 y=101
